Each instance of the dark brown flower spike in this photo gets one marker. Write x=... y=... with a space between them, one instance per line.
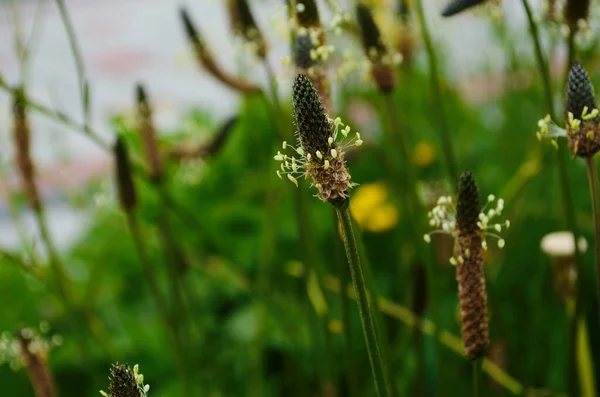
x=124 y=176
x=208 y=62
x=321 y=155
x=583 y=128
x=37 y=369
x=469 y=271
x=382 y=69
x=575 y=11
x=22 y=145
x=147 y=133
x=307 y=13
x=458 y=6
x=243 y=23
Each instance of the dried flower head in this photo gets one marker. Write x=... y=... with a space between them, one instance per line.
x=243 y=23
x=147 y=132
x=123 y=382
x=23 y=160
x=582 y=128
x=381 y=61
x=208 y=62
x=321 y=154
x=124 y=176
x=470 y=225
x=576 y=11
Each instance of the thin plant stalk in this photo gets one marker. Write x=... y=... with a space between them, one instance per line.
x=364 y=306
x=476 y=376
x=565 y=190
x=159 y=301
x=592 y=173
x=438 y=104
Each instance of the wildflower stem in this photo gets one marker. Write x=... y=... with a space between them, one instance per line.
x=567 y=201
x=437 y=97
x=159 y=301
x=592 y=172
x=476 y=376
x=364 y=305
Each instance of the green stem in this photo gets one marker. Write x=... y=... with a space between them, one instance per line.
x=159 y=301
x=476 y=376
x=438 y=97
x=592 y=172
x=364 y=306
x=565 y=190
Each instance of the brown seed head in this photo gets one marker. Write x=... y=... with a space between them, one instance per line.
x=583 y=134
x=576 y=10
x=122 y=382
x=307 y=13
x=208 y=62
x=243 y=23
x=458 y=6
x=23 y=160
x=314 y=131
x=147 y=134
x=469 y=270
x=125 y=185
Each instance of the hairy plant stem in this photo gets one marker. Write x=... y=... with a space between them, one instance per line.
x=565 y=189
x=159 y=301
x=365 y=311
x=438 y=101
x=592 y=173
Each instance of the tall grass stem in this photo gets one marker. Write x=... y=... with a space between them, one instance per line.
x=592 y=173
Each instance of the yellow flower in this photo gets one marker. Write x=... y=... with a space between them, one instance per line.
x=371 y=209
x=424 y=154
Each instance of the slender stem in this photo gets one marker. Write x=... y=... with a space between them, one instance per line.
x=592 y=172
x=364 y=306
x=159 y=301
x=79 y=65
x=438 y=97
x=476 y=375
x=565 y=190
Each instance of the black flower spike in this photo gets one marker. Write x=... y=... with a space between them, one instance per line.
x=576 y=10
x=580 y=92
x=302 y=57
x=122 y=382
x=312 y=123
x=307 y=13
x=244 y=24
x=457 y=6
x=468 y=205
x=126 y=188
x=190 y=29
x=371 y=37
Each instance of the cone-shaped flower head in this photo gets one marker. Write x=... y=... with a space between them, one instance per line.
x=147 y=133
x=582 y=127
x=243 y=23
x=575 y=12
x=125 y=382
x=22 y=145
x=125 y=185
x=382 y=63
x=321 y=153
x=457 y=6
x=208 y=62
x=470 y=225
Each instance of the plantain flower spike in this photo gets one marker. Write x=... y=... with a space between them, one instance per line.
x=582 y=128
x=125 y=382
x=243 y=24
x=208 y=62
x=576 y=14
x=381 y=61
x=147 y=133
x=125 y=185
x=470 y=225
x=321 y=146
x=22 y=144
x=457 y=6
x=307 y=14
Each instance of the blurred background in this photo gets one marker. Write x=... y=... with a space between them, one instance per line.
x=222 y=233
